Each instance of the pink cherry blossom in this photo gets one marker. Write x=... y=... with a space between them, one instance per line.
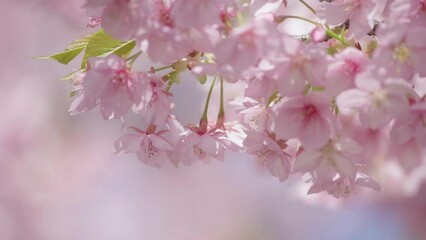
x=255 y=116
x=159 y=37
x=335 y=157
x=120 y=18
x=333 y=168
x=258 y=7
x=300 y=64
x=156 y=109
x=230 y=136
x=406 y=10
x=343 y=69
x=346 y=102
x=402 y=51
x=307 y=118
x=197 y=13
x=410 y=155
x=196 y=144
x=413 y=126
x=269 y=152
x=342 y=187
x=260 y=88
x=247 y=44
x=110 y=85
x=150 y=147
x=360 y=13
x=377 y=102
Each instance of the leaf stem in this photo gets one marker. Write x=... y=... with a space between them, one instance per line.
x=221 y=115
x=133 y=58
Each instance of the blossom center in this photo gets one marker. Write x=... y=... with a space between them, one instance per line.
x=341 y=188
x=401 y=53
x=200 y=153
x=247 y=39
x=121 y=77
x=151 y=151
x=263 y=154
x=163 y=14
x=351 y=67
x=379 y=97
x=309 y=111
x=255 y=120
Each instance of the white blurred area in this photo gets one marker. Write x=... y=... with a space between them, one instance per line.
x=59 y=178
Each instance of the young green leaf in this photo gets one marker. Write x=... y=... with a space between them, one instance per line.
x=70 y=52
x=102 y=45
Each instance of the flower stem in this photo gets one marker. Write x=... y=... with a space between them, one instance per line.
x=162 y=68
x=169 y=85
x=221 y=115
x=332 y=34
x=203 y=120
x=281 y=19
x=308 y=6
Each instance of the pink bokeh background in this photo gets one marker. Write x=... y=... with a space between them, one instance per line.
x=60 y=180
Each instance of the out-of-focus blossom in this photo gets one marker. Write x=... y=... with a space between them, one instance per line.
x=377 y=102
x=360 y=14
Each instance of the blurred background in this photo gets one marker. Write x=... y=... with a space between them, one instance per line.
x=60 y=180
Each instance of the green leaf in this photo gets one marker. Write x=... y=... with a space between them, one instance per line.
x=102 y=45
x=70 y=52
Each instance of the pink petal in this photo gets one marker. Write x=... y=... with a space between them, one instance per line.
x=307 y=161
x=345 y=167
x=129 y=143
x=160 y=143
x=353 y=98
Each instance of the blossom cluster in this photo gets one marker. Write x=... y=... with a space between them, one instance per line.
x=331 y=104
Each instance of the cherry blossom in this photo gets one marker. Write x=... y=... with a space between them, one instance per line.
x=120 y=18
x=197 y=13
x=247 y=44
x=336 y=159
x=307 y=118
x=156 y=109
x=150 y=147
x=340 y=103
x=343 y=69
x=300 y=64
x=360 y=13
x=110 y=85
x=195 y=144
x=377 y=102
x=255 y=116
x=270 y=152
